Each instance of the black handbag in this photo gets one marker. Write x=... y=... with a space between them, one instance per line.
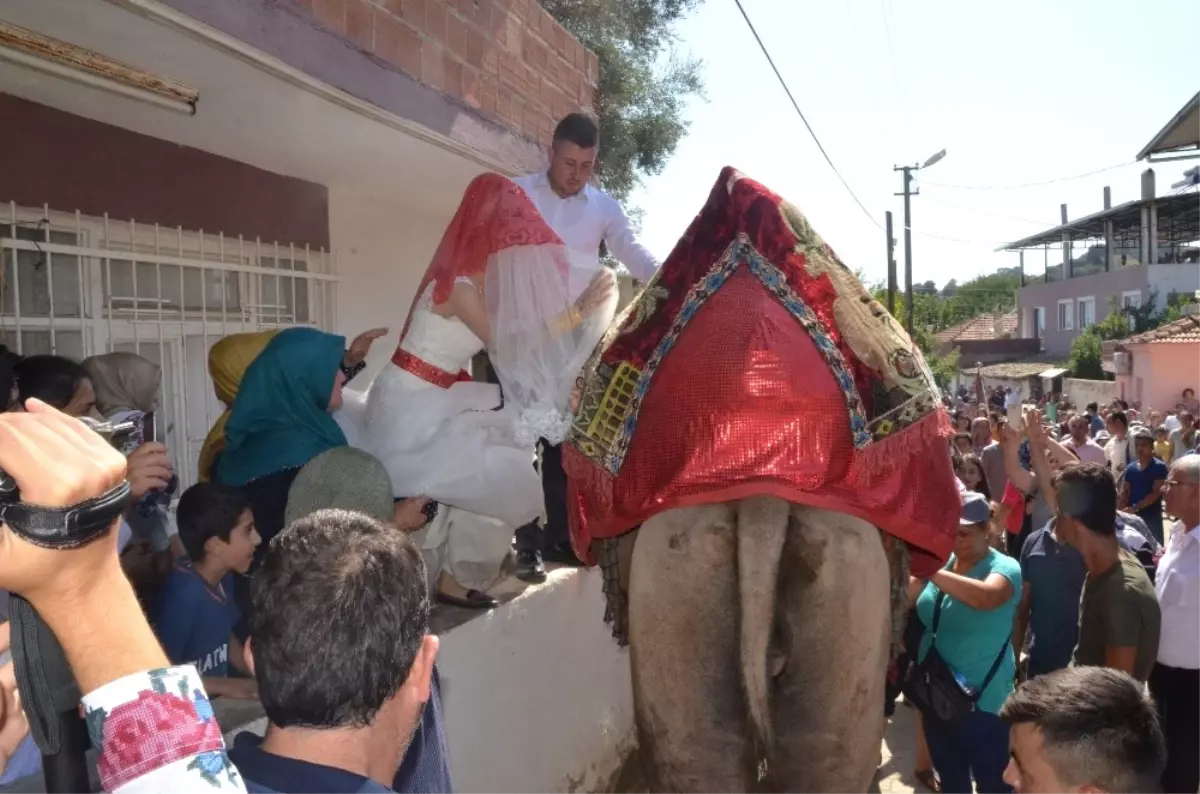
x=931 y=685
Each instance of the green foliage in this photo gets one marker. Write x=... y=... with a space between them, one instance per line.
x=944 y=368
x=1121 y=322
x=1084 y=360
x=1174 y=309
x=643 y=82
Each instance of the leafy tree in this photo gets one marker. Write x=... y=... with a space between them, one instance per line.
x=943 y=368
x=1121 y=322
x=1086 y=354
x=643 y=82
x=950 y=289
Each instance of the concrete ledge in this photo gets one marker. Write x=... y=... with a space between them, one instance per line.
x=537 y=694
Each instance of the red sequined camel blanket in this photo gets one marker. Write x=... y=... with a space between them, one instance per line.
x=756 y=363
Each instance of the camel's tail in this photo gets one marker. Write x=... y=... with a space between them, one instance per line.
x=762 y=523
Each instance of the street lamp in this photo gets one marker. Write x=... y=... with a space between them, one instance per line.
x=934 y=159
x=908 y=193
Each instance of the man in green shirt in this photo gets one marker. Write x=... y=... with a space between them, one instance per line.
x=1119 y=618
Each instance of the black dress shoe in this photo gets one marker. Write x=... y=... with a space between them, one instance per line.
x=475 y=599
x=561 y=553
x=530 y=567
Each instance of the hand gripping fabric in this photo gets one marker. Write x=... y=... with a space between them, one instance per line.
x=755 y=363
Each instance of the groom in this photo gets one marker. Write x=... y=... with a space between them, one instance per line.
x=584 y=217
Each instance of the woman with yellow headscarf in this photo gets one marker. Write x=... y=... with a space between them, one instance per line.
x=228 y=361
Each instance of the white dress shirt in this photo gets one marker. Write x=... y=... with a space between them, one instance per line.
x=1089 y=451
x=588 y=218
x=1177 y=584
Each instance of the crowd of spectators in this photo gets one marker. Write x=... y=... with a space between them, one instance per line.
x=1068 y=596
x=1101 y=514
x=330 y=633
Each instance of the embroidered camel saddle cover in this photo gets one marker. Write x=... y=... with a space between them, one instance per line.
x=756 y=363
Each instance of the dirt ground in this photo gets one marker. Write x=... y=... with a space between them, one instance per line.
x=895 y=770
x=899 y=751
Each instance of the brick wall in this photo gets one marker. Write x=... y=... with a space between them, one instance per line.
x=508 y=59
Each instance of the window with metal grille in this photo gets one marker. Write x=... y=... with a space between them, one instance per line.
x=77 y=286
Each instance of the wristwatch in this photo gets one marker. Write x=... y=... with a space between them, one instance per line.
x=350 y=370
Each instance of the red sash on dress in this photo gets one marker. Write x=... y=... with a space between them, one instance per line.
x=428 y=372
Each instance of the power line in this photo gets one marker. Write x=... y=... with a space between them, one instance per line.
x=800 y=113
x=828 y=159
x=1029 y=184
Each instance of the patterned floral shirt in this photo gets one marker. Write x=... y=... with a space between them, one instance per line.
x=156 y=732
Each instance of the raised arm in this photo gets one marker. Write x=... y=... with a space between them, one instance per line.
x=90 y=606
x=1039 y=445
x=1011 y=443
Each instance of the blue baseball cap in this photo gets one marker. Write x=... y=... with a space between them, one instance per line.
x=975 y=509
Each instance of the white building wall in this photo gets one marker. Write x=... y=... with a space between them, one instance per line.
x=1173 y=278
x=381 y=251
x=1080 y=392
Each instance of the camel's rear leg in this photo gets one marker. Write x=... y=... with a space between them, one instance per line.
x=833 y=626
x=683 y=622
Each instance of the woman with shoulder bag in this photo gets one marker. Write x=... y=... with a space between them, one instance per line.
x=965 y=665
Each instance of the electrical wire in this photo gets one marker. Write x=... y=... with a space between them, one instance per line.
x=800 y=113
x=829 y=160
x=1028 y=184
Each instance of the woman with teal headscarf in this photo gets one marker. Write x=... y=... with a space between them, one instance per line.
x=281 y=418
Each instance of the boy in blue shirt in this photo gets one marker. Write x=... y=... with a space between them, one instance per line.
x=196 y=612
x=1141 y=493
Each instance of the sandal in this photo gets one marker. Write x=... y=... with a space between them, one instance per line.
x=929 y=779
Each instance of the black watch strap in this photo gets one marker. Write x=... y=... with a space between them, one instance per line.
x=350 y=370
x=67 y=527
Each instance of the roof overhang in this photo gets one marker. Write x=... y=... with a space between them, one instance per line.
x=1181 y=136
x=1053 y=373
x=1178 y=222
x=251 y=107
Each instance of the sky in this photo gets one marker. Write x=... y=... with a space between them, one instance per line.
x=1016 y=92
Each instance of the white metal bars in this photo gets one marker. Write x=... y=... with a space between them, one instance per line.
x=76 y=285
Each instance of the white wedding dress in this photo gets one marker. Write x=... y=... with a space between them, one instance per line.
x=450 y=445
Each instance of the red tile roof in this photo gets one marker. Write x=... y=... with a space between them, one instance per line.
x=978 y=328
x=1185 y=329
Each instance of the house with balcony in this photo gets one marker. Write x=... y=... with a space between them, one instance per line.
x=173 y=171
x=1138 y=252
x=1125 y=256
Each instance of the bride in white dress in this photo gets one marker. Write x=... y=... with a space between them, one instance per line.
x=502 y=282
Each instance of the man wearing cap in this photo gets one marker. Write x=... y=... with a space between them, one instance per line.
x=1141 y=491
x=340 y=644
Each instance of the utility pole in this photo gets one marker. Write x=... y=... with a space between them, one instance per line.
x=908 y=287
x=891 y=265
